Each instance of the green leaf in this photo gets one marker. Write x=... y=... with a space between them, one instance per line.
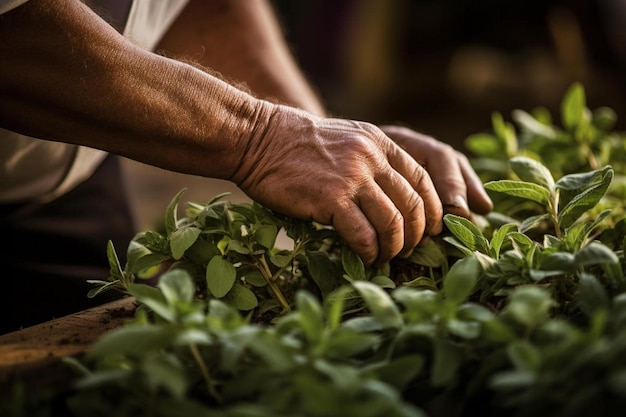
x=530 y=124
x=153 y=298
x=238 y=247
x=522 y=189
x=398 y=372
x=524 y=356
x=352 y=264
x=281 y=259
x=522 y=241
x=345 y=343
x=573 y=106
x=171 y=215
x=115 y=269
x=585 y=200
x=464 y=329
x=220 y=276
x=176 y=285
x=461 y=247
x=529 y=305
x=459 y=283
x=310 y=313
x=558 y=261
x=578 y=182
x=182 y=239
x=467 y=233
x=135 y=340
x=448 y=358
x=533 y=221
x=485 y=144
x=595 y=253
x=139 y=258
x=505 y=132
x=498 y=237
x=380 y=304
x=512 y=380
x=576 y=236
x=255 y=277
x=592 y=296
x=242 y=298
x=334 y=304
x=530 y=170
x=323 y=270
x=383 y=281
x=431 y=255
x=202 y=251
x=166 y=371
x=265 y=235
x=604 y=118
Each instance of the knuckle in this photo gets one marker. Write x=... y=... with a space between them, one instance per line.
x=415 y=204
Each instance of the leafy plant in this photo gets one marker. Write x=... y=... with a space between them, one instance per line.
x=521 y=312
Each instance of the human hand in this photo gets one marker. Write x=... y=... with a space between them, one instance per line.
x=455 y=181
x=343 y=173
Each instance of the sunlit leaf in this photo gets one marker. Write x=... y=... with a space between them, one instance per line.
x=530 y=124
x=171 y=214
x=573 y=106
x=499 y=236
x=530 y=170
x=521 y=189
x=467 y=233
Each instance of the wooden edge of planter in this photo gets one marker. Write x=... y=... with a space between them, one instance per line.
x=33 y=356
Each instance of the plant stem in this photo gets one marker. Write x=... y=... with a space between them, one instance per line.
x=267 y=274
x=591 y=158
x=205 y=372
x=271 y=278
x=553 y=209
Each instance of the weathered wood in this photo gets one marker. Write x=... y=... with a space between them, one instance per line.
x=33 y=356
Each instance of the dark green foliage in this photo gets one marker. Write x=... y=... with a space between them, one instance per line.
x=519 y=313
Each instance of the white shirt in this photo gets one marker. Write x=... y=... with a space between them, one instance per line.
x=39 y=170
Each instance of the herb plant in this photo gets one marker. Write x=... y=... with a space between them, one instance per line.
x=521 y=312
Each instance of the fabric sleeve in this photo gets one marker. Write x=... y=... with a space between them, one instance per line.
x=6 y=5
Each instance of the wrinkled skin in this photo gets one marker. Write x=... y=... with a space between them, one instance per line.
x=352 y=176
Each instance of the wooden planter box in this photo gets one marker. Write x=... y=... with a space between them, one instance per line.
x=33 y=356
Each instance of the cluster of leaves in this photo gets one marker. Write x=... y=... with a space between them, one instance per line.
x=584 y=141
x=522 y=312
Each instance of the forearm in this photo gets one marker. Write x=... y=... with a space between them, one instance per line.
x=242 y=40
x=68 y=76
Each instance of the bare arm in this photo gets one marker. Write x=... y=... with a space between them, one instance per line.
x=209 y=31
x=243 y=41
x=68 y=76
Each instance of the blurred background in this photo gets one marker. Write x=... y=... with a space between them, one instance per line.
x=438 y=66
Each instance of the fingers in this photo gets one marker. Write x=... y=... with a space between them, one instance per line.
x=396 y=212
x=355 y=228
x=459 y=187
x=478 y=198
x=423 y=189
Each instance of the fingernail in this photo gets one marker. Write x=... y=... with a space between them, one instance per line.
x=456 y=206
